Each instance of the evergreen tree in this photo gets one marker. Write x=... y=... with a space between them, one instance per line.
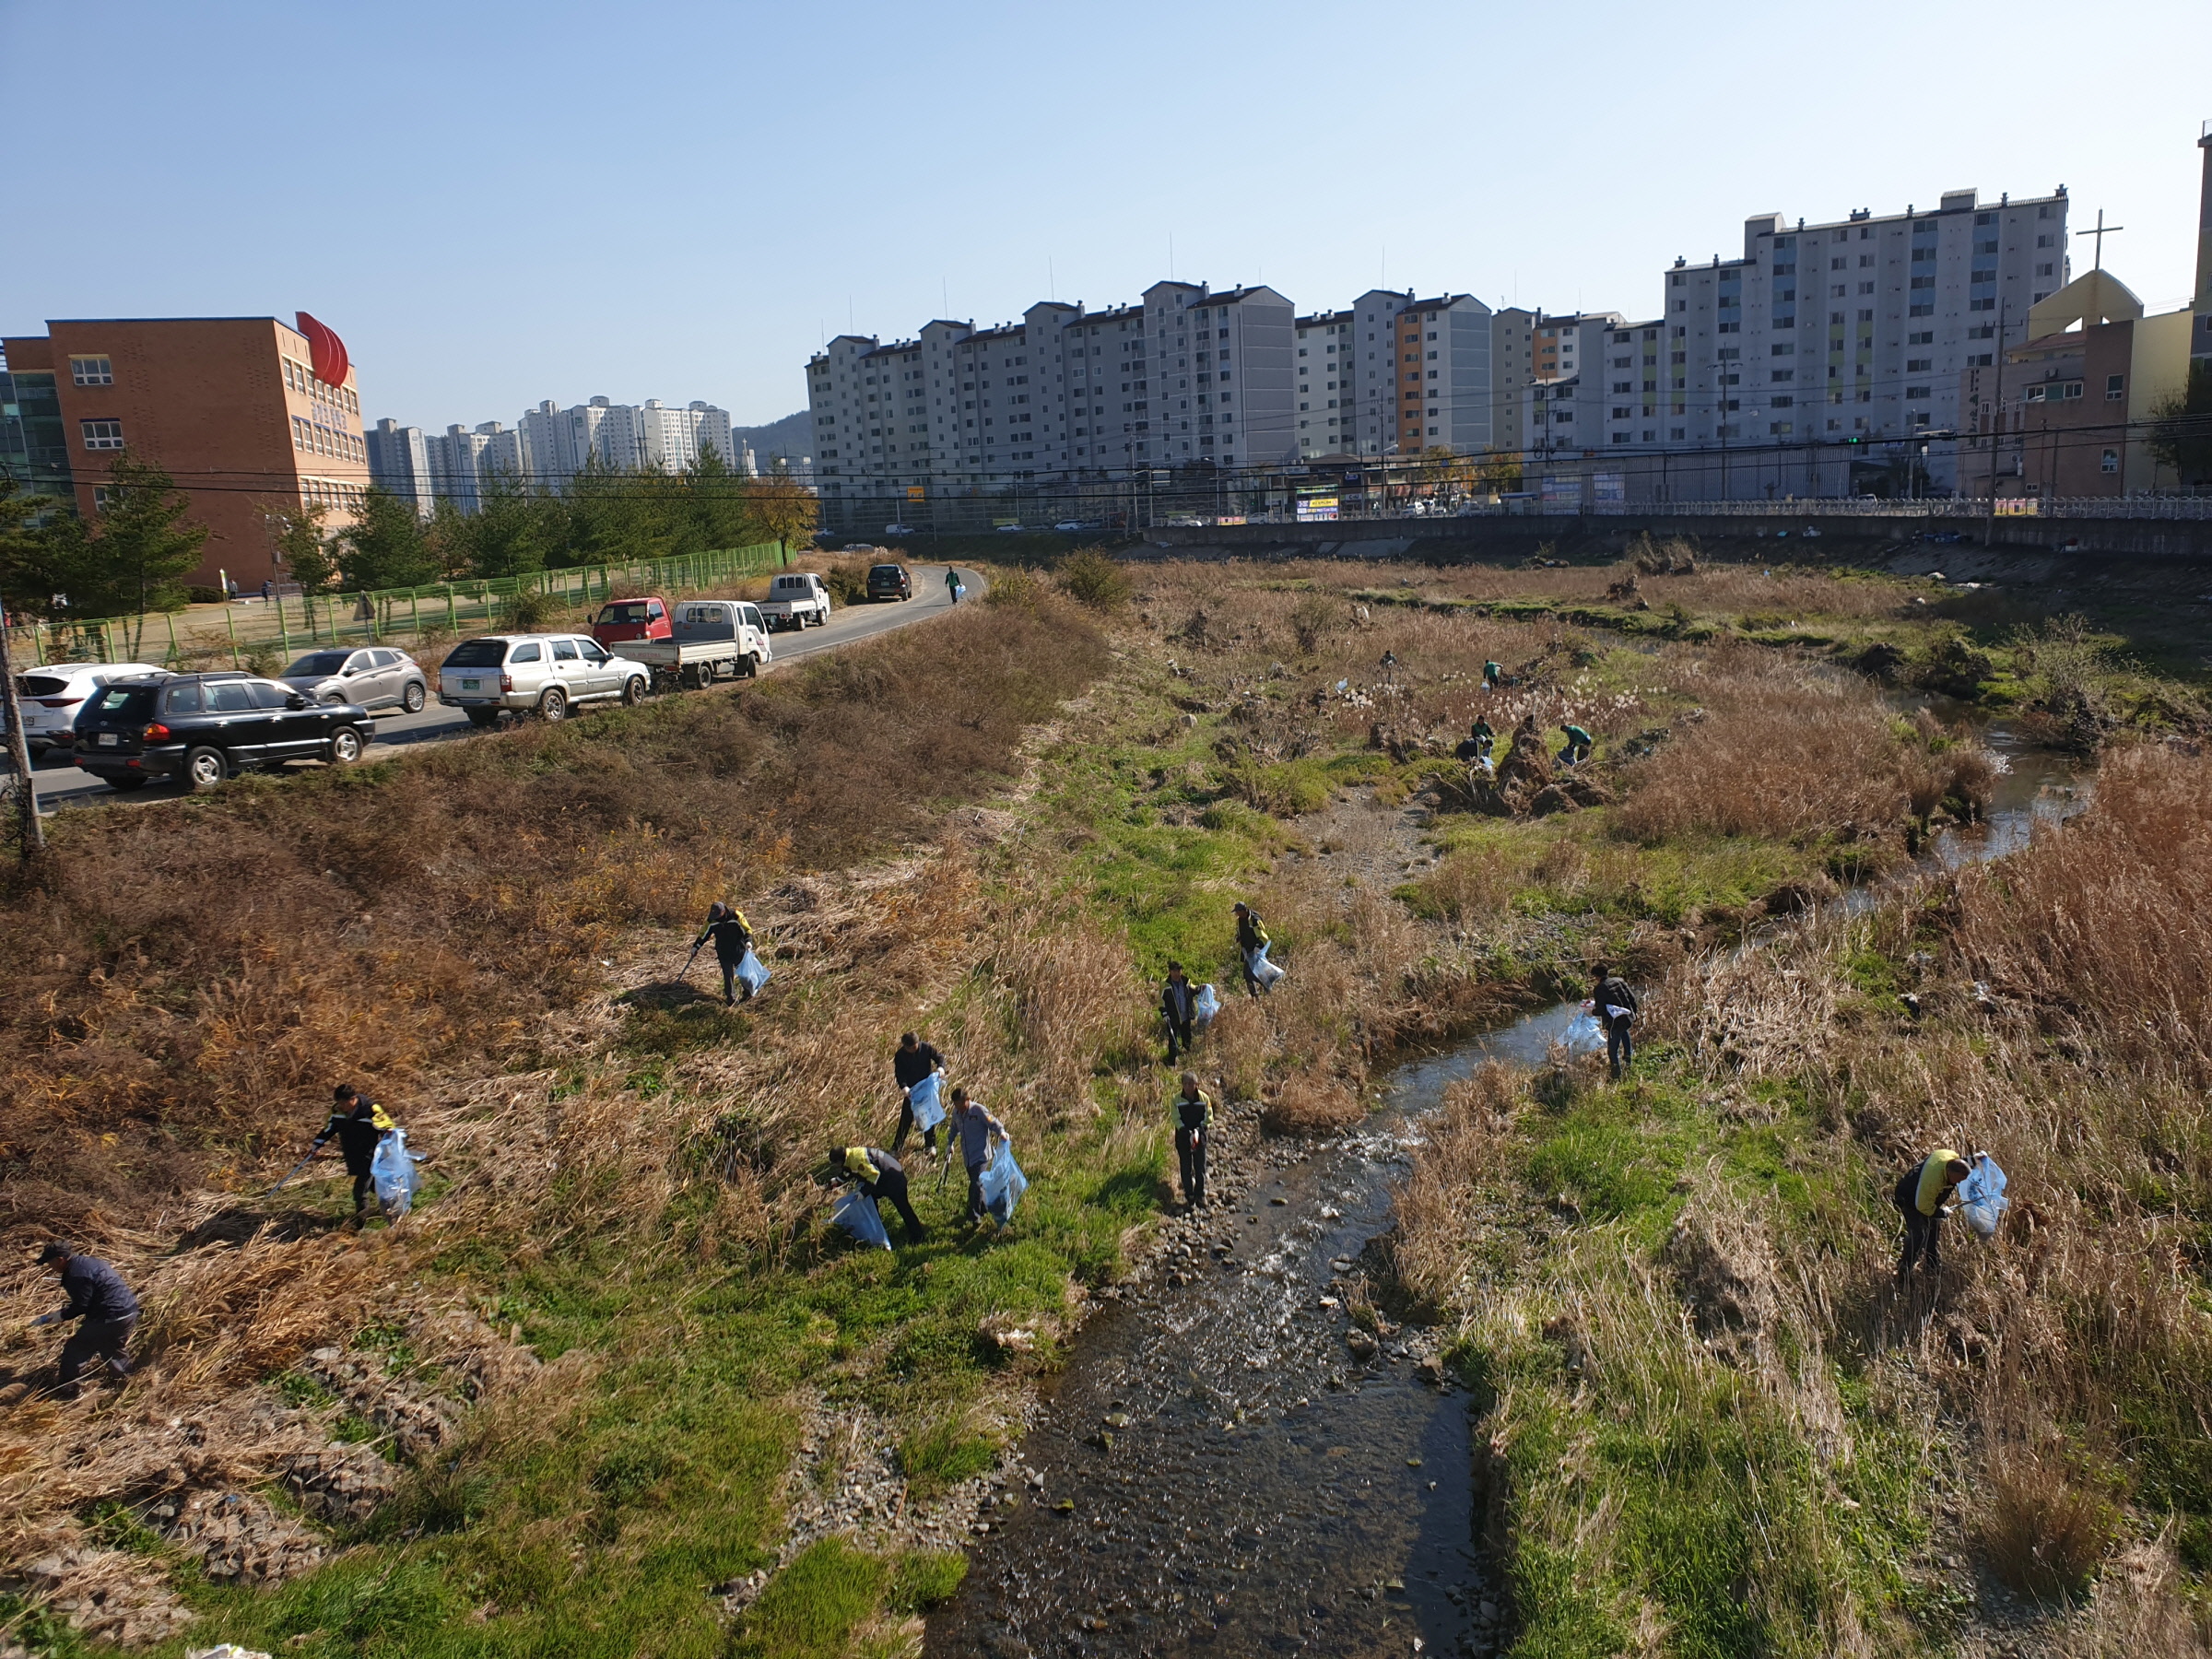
x=302 y=552
x=386 y=547
x=134 y=557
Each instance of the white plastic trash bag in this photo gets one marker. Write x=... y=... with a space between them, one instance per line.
x=1982 y=1201
x=1263 y=970
x=1585 y=1036
x=1207 y=1007
x=929 y=1111
x=856 y=1212
x=1004 y=1183
x=396 y=1178
x=752 y=974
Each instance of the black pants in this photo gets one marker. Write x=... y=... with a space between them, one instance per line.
x=891 y=1184
x=362 y=1180
x=1620 y=1048
x=906 y=1124
x=105 y=1339
x=1179 y=1037
x=733 y=989
x=1190 y=1151
x=1924 y=1238
x=977 y=1208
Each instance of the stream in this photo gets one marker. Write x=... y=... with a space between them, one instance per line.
x=1215 y=1472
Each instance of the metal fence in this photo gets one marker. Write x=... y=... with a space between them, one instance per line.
x=2197 y=508
x=385 y=615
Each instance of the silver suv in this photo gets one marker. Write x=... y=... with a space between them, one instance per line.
x=543 y=674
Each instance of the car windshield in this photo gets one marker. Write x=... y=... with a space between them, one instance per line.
x=131 y=702
x=315 y=665
x=478 y=654
x=627 y=610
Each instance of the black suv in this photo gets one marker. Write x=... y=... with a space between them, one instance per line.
x=206 y=728
x=890 y=581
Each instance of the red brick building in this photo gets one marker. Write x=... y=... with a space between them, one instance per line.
x=243 y=412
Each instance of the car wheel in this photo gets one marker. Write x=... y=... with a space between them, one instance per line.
x=204 y=768
x=333 y=702
x=345 y=747
x=553 y=706
x=752 y=667
x=633 y=691
x=414 y=698
x=483 y=717
x=128 y=783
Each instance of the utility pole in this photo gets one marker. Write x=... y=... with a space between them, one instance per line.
x=1989 y=518
x=32 y=834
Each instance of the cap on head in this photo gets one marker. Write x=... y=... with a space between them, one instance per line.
x=717 y=911
x=55 y=1252
x=1240 y=908
x=1175 y=967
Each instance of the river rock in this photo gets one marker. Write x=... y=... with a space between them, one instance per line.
x=339 y=1484
x=1361 y=1344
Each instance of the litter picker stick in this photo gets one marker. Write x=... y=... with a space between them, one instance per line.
x=689 y=960
x=296 y=1169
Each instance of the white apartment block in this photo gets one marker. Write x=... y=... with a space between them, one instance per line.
x=1189 y=375
x=1324 y=384
x=455 y=456
x=399 y=463
x=1396 y=374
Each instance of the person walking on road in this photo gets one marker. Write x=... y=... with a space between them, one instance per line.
x=1614 y=1005
x=1922 y=1193
x=1179 y=1007
x=879 y=1176
x=1193 y=1124
x=104 y=1308
x=358 y=1124
x=974 y=1125
x=1251 y=936
x=952 y=583
x=913 y=1061
x=732 y=936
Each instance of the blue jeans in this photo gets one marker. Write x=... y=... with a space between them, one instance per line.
x=1620 y=1048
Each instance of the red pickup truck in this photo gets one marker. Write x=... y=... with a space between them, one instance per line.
x=621 y=619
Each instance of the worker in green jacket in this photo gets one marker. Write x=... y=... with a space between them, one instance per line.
x=1924 y=1193
x=1579 y=744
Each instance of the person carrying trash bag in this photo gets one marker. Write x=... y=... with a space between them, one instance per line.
x=1579 y=744
x=104 y=1308
x=732 y=936
x=952 y=583
x=1614 y=1005
x=878 y=1176
x=1493 y=675
x=393 y=1173
x=360 y=1125
x=974 y=1126
x=1260 y=974
x=914 y=1064
x=1480 y=741
x=1178 y=1007
x=1921 y=1193
x=1194 y=1115
x=1003 y=1184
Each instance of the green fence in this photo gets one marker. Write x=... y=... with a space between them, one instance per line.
x=381 y=614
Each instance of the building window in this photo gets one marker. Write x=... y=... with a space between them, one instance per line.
x=92 y=372
x=102 y=434
x=2109 y=462
x=2115 y=388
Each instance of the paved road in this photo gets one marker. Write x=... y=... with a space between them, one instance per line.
x=61 y=785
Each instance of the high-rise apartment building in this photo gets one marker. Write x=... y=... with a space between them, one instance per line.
x=244 y=413
x=457 y=457
x=399 y=463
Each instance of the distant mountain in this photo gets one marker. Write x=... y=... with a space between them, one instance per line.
x=792 y=436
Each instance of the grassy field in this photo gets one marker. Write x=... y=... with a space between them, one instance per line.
x=668 y=1410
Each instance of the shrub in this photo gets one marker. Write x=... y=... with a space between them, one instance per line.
x=1015 y=589
x=530 y=611
x=2042 y=1532
x=1090 y=576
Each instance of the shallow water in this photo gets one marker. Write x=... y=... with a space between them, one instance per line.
x=1237 y=1481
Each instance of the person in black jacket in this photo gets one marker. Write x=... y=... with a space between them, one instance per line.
x=358 y=1124
x=1251 y=934
x=914 y=1061
x=1614 y=1005
x=1194 y=1114
x=732 y=936
x=1179 y=1007
x=104 y=1308
x=880 y=1176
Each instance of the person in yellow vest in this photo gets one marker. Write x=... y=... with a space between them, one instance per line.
x=879 y=1176
x=1924 y=1193
x=732 y=936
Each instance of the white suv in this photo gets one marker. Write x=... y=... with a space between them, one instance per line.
x=543 y=674
x=53 y=696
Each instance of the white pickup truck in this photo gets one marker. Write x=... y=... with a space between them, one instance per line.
x=798 y=599
x=709 y=639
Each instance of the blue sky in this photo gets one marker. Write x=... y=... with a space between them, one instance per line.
x=498 y=201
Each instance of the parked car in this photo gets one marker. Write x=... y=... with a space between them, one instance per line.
x=796 y=599
x=546 y=674
x=713 y=638
x=622 y=620
x=1010 y=529
x=1071 y=524
x=375 y=676
x=206 y=728
x=890 y=581
x=899 y=530
x=53 y=696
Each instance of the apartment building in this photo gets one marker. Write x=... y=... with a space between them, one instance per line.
x=2200 y=338
x=1189 y=375
x=399 y=463
x=244 y=413
x=1555 y=345
x=1512 y=366
x=457 y=458
x=1324 y=345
